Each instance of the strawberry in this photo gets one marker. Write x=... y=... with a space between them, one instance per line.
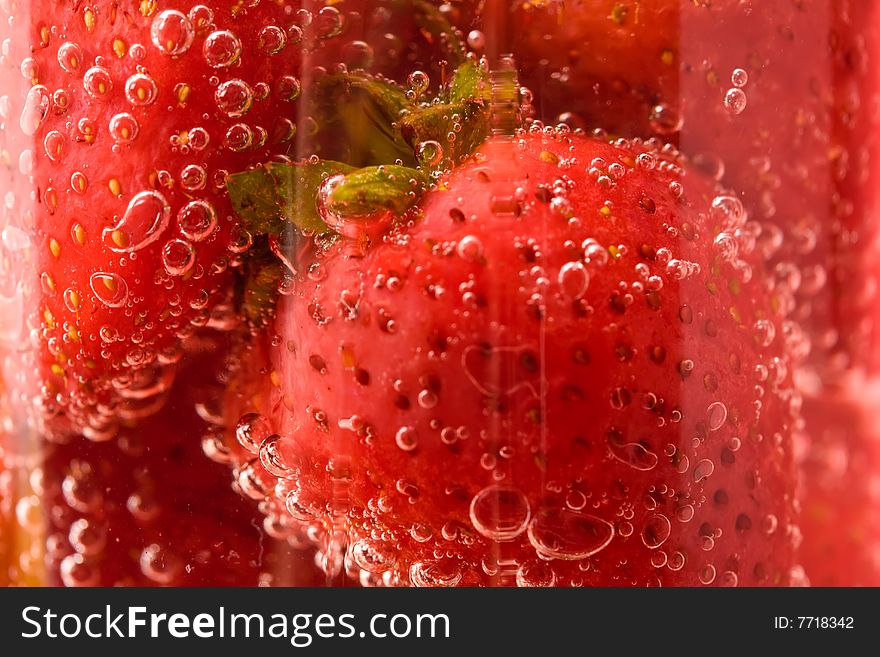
x=149 y=509
x=562 y=365
x=779 y=101
x=136 y=113
x=774 y=100
x=839 y=457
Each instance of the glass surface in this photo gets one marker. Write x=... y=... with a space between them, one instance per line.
x=409 y=292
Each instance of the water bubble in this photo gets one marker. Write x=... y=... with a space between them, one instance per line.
x=568 y=535
x=35 y=109
x=178 y=256
x=238 y=137
x=272 y=458
x=735 y=101
x=656 y=530
x=707 y=574
x=221 y=49
x=160 y=565
x=665 y=119
x=716 y=415
x=172 y=32
x=418 y=82
x=197 y=220
x=476 y=40
x=272 y=40
x=193 y=177
x=407 y=438
x=635 y=455
x=97 y=82
x=145 y=219
x=535 y=574
x=430 y=153
x=201 y=17
x=703 y=470
x=111 y=289
x=123 y=128
x=573 y=280
x=739 y=78
x=435 y=573
x=234 y=97
x=87 y=537
x=289 y=88
x=728 y=211
x=728 y=578
x=75 y=571
x=470 y=248
x=252 y=429
x=199 y=138
x=70 y=56
x=141 y=90
x=500 y=513
x=53 y=145
x=373 y=556
x=765 y=332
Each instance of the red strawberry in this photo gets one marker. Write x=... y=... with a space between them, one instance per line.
x=564 y=367
x=150 y=509
x=839 y=454
x=803 y=154
x=137 y=111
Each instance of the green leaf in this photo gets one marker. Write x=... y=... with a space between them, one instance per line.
x=467 y=120
x=470 y=81
x=253 y=198
x=261 y=275
x=269 y=197
x=358 y=114
x=370 y=190
x=296 y=188
x=437 y=30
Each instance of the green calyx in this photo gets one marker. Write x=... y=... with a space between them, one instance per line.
x=377 y=147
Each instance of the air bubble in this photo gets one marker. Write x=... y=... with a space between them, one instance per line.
x=735 y=101
x=656 y=530
x=145 y=219
x=373 y=556
x=500 y=513
x=97 y=82
x=123 y=128
x=407 y=438
x=70 y=57
x=172 y=32
x=234 y=97
x=568 y=535
x=197 y=220
x=111 y=289
x=221 y=49
x=141 y=90
x=716 y=415
x=178 y=256
x=573 y=280
x=435 y=573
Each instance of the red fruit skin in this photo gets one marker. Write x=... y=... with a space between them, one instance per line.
x=150 y=509
x=105 y=354
x=804 y=155
x=603 y=407
x=839 y=455
x=798 y=154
